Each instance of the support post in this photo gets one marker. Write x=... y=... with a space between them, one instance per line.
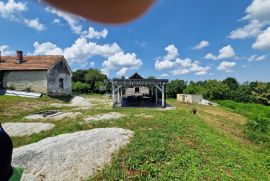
x=113 y=93
x=156 y=92
x=163 y=96
x=118 y=96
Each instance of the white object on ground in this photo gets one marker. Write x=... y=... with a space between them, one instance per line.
x=70 y=157
x=107 y=116
x=207 y=103
x=20 y=93
x=26 y=129
x=76 y=101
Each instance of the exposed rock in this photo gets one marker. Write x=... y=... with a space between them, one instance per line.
x=77 y=101
x=70 y=157
x=69 y=115
x=26 y=129
x=57 y=116
x=107 y=116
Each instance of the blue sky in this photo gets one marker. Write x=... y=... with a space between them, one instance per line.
x=184 y=39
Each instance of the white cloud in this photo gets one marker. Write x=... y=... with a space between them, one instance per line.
x=56 y=21
x=257 y=58
x=47 y=48
x=4 y=50
x=253 y=29
x=226 y=66
x=172 y=52
x=13 y=11
x=201 y=45
x=164 y=75
x=178 y=66
x=122 y=72
x=259 y=9
x=79 y=52
x=121 y=62
x=164 y=64
x=210 y=56
x=263 y=40
x=224 y=53
x=82 y=50
x=35 y=24
x=93 y=34
x=258 y=17
x=72 y=20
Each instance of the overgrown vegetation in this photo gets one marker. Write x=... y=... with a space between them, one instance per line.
x=230 y=88
x=258 y=125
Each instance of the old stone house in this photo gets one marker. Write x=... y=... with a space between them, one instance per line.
x=43 y=74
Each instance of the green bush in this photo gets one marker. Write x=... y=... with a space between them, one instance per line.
x=79 y=87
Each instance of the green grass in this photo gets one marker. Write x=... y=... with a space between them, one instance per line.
x=258 y=126
x=170 y=145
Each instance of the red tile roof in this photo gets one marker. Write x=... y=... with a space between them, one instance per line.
x=43 y=62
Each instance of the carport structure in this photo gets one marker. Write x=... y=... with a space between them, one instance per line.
x=139 y=92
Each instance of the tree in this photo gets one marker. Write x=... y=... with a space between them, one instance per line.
x=231 y=83
x=95 y=79
x=195 y=88
x=216 y=90
x=151 y=77
x=175 y=87
x=79 y=76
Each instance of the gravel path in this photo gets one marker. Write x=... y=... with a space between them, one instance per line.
x=26 y=129
x=107 y=116
x=70 y=157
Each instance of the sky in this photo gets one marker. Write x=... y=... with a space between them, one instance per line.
x=176 y=39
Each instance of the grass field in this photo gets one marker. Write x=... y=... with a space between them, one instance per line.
x=167 y=145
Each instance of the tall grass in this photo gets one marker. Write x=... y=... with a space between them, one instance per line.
x=258 y=126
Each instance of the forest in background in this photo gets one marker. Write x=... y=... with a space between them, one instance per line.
x=93 y=81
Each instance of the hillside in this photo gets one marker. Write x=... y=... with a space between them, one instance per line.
x=167 y=144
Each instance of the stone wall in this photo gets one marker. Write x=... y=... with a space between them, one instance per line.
x=59 y=71
x=35 y=81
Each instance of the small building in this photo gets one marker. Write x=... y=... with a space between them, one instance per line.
x=189 y=98
x=48 y=74
x=139 y=92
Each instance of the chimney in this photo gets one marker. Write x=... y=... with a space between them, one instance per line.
x=19 y=56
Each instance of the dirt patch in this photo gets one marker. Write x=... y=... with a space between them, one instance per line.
x=107 y=116
x=26 y=129
x=73 y=156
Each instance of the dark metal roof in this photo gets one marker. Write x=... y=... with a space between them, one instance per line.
x=136 y=76
x=139 y=82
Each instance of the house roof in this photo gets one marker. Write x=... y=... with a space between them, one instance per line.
x=136 y=76
x=43 y=62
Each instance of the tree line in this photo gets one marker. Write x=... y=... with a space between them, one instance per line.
x=228 y=89
x=93 y=81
